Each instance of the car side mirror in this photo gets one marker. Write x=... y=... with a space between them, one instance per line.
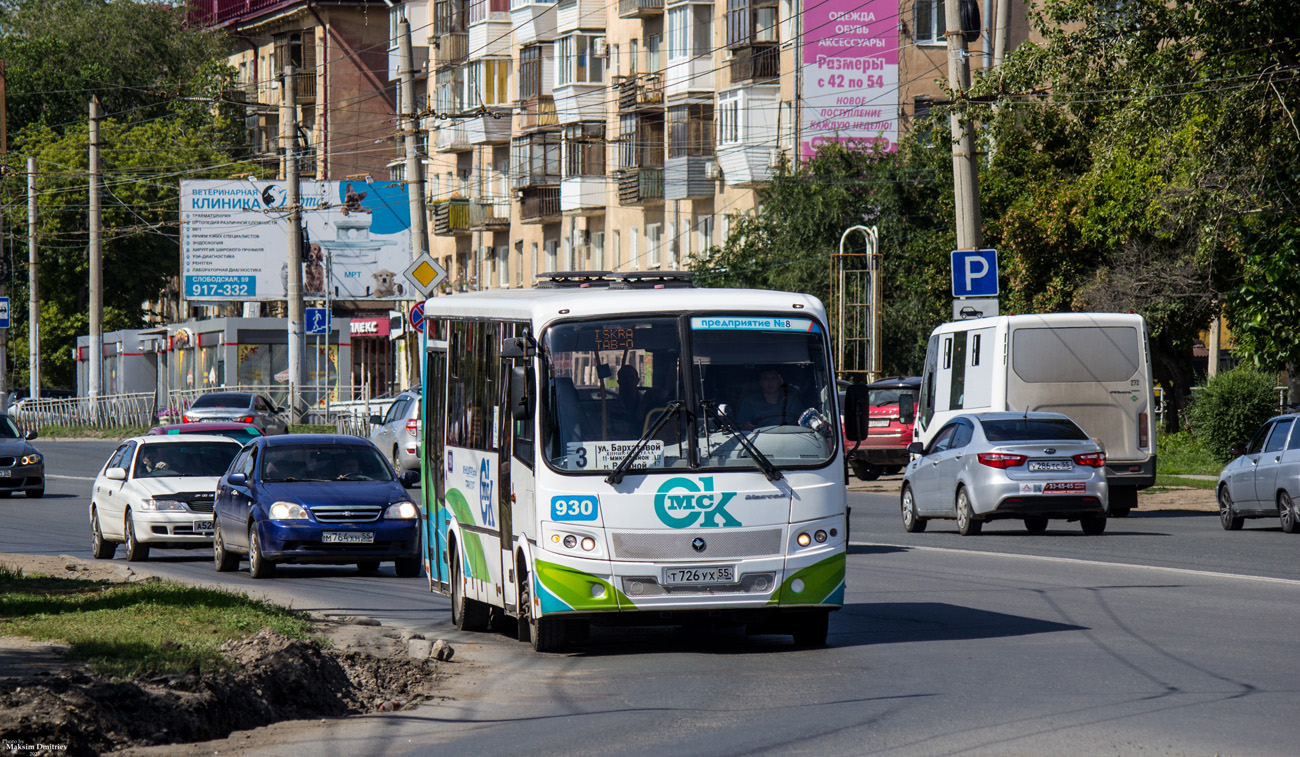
x=30 y=435
x=375 y=420
x=1237 y=450
x=237 y=479
x=857 y=412
x=916 y=448
x=521 y=403
x=906 y=409
x=115 y=474
x=409 y=478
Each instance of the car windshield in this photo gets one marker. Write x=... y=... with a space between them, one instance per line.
x=7 y=429
x=323 y=462
x=1031 y=429
x=889 y=396
x=184 y=459
x=610 y=384
x=223 y=399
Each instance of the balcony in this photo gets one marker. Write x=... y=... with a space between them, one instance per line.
x=488 y=129
x=755 y=62
x=532 y=21
x=539 y=204
x=489 y=213
x=582 y=195
x=686 y=178
x=640 y=8
x=452 y=137
x=537 y=113
x=450 y=49
x=640 y=91
x=641 y=186
x=450 y=218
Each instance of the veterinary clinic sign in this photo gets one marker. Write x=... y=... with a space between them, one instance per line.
x=849 y=67
x=234 y=239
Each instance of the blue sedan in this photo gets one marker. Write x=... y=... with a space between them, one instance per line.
x=324 y=499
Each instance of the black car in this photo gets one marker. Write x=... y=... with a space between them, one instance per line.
x=22 y=467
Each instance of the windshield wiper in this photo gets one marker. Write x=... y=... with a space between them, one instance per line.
x=616 y=475
x=769 y=470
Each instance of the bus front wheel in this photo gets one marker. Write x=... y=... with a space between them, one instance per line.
x=811 y=630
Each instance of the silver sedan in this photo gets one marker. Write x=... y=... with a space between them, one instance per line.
x=989 y=466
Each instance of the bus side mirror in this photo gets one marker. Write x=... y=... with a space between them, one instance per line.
x=515 y=347
x=521 y=404
x=857 y=411
x=906 y=409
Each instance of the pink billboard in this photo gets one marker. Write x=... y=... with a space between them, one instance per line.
x=850 y=73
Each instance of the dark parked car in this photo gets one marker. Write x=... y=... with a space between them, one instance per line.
x=1263 y=479
x=315 y=498
x=238 y=407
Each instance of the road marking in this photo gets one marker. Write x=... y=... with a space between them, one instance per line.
x=72 y=478
x=1077 y=561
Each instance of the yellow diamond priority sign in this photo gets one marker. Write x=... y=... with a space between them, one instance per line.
x=425 y=274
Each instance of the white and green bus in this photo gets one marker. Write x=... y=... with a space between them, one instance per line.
x=628 y=449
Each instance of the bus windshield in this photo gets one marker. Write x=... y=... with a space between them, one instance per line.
x=704 y=392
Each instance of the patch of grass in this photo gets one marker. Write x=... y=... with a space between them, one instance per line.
x=1179 y=481
x=1183 y=453
x=137 y=629
x=91 y=432
x=312 y=428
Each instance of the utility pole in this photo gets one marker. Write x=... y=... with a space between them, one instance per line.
x=33 y=290
x=289 y=137
x=964 y=167
x=4 y=152
x=410 y=126
x=1000 y=31
x=96 y=356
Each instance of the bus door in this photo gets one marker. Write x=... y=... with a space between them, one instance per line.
x=518 y=511
x=434 y=481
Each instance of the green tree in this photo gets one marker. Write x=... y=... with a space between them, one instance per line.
x=1230 y=408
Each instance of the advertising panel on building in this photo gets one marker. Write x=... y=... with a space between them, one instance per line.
x=234 y=239
x=850 y=74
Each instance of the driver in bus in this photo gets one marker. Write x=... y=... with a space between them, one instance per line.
x=630 y=400
x=772 y=405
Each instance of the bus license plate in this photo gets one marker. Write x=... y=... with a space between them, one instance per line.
x=202 y=525
x=701 y=574
x=1050 y=465
x=348 y=537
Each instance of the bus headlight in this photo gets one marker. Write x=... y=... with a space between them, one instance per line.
x=804 y=539
x=288 y=511
x=570 y=541
x=819 y=536
x=588 y=543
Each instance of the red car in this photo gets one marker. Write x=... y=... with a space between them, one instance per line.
x=240 y=432
x=884 y=451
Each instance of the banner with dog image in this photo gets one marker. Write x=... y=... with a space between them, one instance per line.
x=234 y=240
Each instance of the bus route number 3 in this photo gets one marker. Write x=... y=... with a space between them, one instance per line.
x=575 y=507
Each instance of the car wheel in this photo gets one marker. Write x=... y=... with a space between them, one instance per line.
x=967 y=524
x=466 y=614
x=865 y=471
x=1036 y=525
x=225 y=560
x=811 y=629
x=407 y=567
x=912 y=523
x=1286 y=511
x=1122 y=500
x=101 y=548
x=1093 y=524
x=1227 y=513
x=36 y=493
x=367 y=566
x=135 y=551
x=258 y=565
x=893 y=470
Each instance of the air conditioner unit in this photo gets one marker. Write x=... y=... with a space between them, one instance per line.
x=598 y=47
x=712 y=170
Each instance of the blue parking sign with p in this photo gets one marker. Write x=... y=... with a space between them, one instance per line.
x=975 y=273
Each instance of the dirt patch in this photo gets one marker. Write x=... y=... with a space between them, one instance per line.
x=47 y=701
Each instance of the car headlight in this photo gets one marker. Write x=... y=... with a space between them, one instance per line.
x=32 y=459
x=404 y=510
x=163 y=504
x=288 y=511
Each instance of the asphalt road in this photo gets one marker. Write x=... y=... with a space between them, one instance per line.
x=1165 y=635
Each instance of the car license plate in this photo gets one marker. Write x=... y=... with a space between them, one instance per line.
x=1050 y=465
x=202 y=525
x=878 y=423
x=6 y=473
x=703 y=574
x=348 y=537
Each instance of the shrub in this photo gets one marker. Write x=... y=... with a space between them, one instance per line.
x=1230 y=408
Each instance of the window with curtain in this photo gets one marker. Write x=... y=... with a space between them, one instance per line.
x=929 y=21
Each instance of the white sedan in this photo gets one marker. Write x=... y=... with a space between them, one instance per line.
x=158 y=491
